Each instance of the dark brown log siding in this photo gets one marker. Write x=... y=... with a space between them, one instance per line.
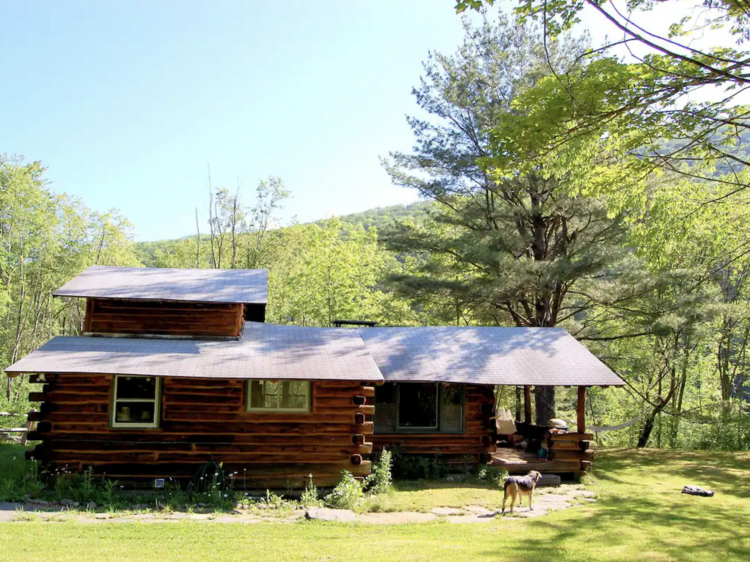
x=112 y=316
x=474 y=445
x=204 y=419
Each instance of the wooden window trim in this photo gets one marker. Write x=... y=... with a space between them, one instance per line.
x=306 y=410
x=136 y=425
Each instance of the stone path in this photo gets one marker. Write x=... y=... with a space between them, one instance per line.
x=545 y=501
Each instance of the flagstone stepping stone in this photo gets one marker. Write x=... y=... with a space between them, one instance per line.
x=397 y=518
x=445 y=511
x=325 y=514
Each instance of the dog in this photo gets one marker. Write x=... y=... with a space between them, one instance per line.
x=519 y=486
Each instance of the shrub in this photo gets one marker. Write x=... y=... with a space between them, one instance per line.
x=309 y=497
x=492 y=475
x=347 y=494
x=417 y=467
x=380 y=480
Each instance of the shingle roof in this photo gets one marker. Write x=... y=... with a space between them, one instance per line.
x=153 y=283
x=486 y=355
x=266 y=351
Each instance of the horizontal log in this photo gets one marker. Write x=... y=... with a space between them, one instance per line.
x=365 y=409
x=258 y=417
x=570 y=436
x=69 y=398
x=182 y=428
x=260 y=450
x=571 y=455
x=119 y=304
x=149 y=457
x=586 y=466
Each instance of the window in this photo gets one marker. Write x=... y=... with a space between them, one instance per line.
x=419 y=407
x=136 y=402
x=280 y=396
x=385 y=408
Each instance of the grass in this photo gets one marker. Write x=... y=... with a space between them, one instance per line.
x=640 y=515
x=423 y=496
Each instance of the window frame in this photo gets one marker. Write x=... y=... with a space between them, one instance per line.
x=248 y=393
x=114 y=424
x=398 y=428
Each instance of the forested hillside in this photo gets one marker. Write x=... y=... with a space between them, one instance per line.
x=645 y=264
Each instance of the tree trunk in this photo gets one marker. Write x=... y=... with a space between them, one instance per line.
x=544 y=400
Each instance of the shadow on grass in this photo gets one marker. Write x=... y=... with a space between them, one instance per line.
x=643 y=515
x=725 y=472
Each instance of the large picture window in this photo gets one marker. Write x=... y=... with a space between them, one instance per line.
x=136 y=402
x=280 y=396
x=415 y=407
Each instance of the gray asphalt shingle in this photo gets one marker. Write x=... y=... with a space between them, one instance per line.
x=266 y=351
x=486 y=355
x=247 y=286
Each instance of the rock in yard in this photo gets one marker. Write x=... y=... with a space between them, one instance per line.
x=67 y=503
x=697 y=491
x=549 y=480
x=478 y=510
x=91 y=505
x=445 y=511
x=325 y=514
x=39 y=502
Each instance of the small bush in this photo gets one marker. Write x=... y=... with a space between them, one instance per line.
x=309 y=497
x=347 y=494
x=418 y=467
x=380 y=480
x=492 y=475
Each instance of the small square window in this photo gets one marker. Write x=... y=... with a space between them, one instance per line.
x=279 y=396
x=135 y=402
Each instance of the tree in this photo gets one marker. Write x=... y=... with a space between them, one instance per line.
x=512 y=242
x=45 y=240
x=671 y=105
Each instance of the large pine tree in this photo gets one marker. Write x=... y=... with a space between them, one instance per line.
x=513 y=242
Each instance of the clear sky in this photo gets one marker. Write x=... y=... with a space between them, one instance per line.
x=127 y=102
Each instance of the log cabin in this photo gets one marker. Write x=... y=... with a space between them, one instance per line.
x=177 y=368
x=438 y=394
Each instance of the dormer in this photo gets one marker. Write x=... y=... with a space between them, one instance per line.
x=188 y=303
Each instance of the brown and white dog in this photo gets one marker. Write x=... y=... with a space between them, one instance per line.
x=519 y=486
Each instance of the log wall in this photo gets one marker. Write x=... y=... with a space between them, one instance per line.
x=204 y=419
x=474 y=445
x=113 y=316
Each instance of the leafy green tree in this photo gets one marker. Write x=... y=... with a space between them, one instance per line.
x=45 y=240
x=671 y=105
x=513 y=243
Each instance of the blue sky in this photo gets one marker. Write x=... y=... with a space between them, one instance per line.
x=127 y=102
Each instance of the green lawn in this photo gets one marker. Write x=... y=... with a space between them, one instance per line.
x=641 y=515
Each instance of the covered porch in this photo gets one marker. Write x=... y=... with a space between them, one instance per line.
x=565 y=452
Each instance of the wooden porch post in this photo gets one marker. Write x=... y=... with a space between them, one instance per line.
x=581 y=409
x=527 y=403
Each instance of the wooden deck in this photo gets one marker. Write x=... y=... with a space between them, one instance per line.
x=570 y=453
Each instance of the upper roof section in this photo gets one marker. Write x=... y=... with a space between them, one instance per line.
x=246 y=286
x=265 y=351
x=486 y=355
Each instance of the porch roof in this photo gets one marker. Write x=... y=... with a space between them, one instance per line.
x=486 y=355
x=266 y=351
x=246 y=286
